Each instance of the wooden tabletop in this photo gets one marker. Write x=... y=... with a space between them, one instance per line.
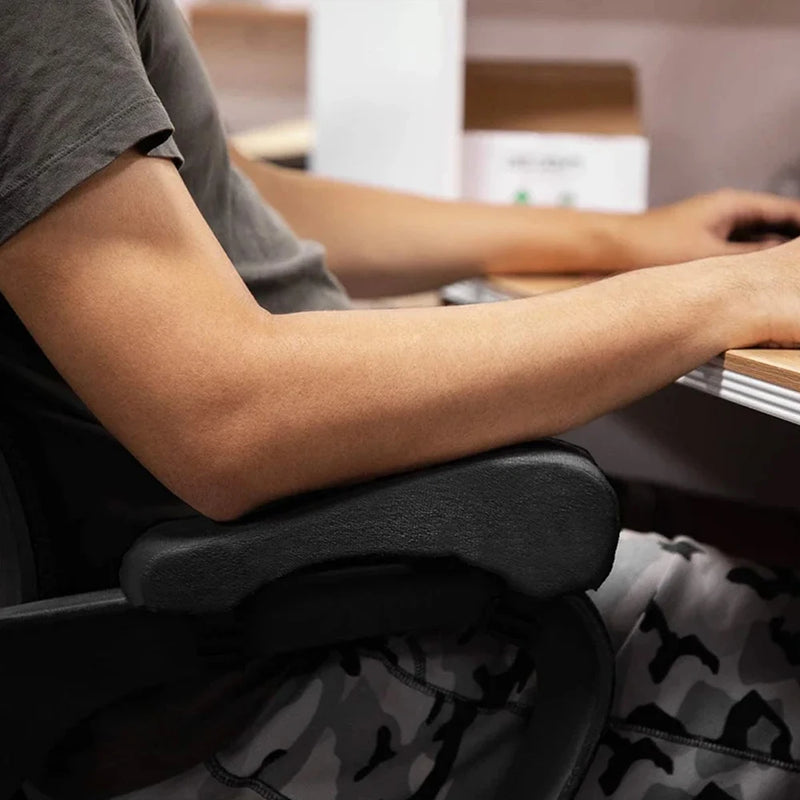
x=777 y=367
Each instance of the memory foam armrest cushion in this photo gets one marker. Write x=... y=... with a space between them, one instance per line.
x=541 y=516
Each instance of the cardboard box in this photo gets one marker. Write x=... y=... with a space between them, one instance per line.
x=554 y=134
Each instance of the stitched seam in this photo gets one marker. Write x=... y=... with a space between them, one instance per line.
x=513 y=707
x=231 y=781
x=707 y=744
x=419 y=658
x=56 y=157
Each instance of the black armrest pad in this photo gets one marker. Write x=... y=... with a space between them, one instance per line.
x=542 y=516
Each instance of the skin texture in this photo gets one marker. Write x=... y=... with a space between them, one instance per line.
x=133 y=300
x=382 y=243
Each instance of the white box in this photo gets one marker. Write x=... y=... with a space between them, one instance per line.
x=593 y=172
x=554 y=134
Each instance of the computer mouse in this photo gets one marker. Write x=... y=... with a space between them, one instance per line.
x=760 y=231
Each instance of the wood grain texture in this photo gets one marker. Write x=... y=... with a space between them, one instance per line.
x=776 y=367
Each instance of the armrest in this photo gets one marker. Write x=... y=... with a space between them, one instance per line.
x=541 y=516
x=438 y=548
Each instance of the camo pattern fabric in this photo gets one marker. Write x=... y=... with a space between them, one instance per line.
x=707 y=703
x=428 y=719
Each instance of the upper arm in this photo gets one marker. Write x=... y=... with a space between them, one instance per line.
x=130 y=296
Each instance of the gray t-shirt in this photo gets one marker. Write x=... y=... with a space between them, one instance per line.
x=81 y=81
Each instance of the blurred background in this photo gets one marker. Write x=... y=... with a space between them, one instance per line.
x=383 y=90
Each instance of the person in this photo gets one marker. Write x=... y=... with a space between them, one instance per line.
x=148 y=349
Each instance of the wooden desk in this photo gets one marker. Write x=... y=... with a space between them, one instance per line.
x=765 y=380
x=740 y=450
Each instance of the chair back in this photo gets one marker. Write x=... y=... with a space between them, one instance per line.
x=17 y=567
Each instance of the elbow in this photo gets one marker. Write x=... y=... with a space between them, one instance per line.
x=219 y=509
x=220 y=495
x=216 y=482
x=224 y=464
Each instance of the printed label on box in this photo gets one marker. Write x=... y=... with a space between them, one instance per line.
x=592 y=172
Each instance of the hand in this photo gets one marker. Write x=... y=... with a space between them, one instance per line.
x=700 y=227
x=771 y=282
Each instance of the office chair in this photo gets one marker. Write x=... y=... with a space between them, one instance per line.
x=508 y=539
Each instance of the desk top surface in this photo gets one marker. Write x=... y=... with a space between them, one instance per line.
x=777 y=367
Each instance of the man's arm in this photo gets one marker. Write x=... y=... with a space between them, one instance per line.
x=383 y=243
x=135 y=303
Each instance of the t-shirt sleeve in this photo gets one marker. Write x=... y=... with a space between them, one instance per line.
x=74 y=95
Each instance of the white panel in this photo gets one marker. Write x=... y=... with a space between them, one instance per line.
x=386 y=83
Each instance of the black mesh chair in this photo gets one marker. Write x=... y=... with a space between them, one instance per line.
x=509 y=540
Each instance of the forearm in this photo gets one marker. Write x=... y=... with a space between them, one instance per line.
x=368 y=393
x=382 y=242
x=231 y=407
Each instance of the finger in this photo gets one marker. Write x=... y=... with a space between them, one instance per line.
x=789 y=345
x=760 y=206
